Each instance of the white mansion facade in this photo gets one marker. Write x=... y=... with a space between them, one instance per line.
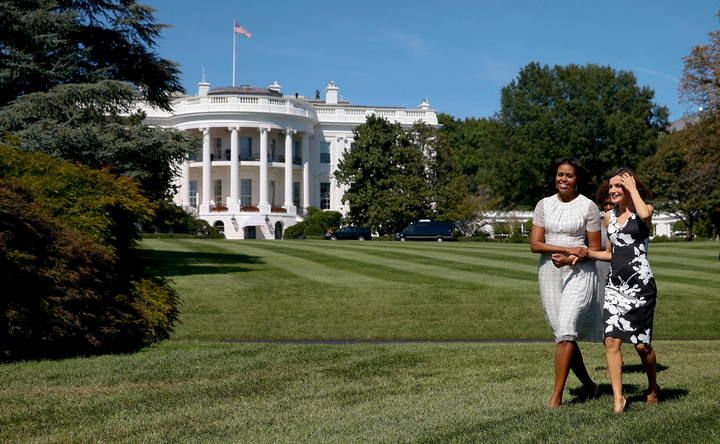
x=266 y=157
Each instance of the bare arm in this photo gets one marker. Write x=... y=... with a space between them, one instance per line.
x=538 y=245
x=606 y=254
x=642 y=210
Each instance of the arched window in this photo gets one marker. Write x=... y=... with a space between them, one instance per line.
x=220 y=226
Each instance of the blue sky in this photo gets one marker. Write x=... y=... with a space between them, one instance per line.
x=457 y=54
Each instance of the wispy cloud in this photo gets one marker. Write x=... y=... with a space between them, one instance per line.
x=409 y=42
x=658 y=74
x=497 y=71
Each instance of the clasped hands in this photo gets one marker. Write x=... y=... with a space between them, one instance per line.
x=574 y=255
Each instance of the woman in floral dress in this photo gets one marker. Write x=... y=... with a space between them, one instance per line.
x=630 y=291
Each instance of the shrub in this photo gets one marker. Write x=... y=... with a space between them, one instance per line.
x=72 y=281
x=316 y=223
x=170 y=218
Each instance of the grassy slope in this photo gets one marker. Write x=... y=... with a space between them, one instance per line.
x=195 y=387
x=322 y=289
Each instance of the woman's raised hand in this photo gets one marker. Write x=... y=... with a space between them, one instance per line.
x=628 y=182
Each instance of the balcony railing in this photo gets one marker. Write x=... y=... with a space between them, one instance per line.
x=235 y=103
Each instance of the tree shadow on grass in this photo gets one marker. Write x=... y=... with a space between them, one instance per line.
x=635 y=368
x=633 y=392
x=183 y=263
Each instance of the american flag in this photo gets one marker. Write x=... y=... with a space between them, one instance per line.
x=242 y=31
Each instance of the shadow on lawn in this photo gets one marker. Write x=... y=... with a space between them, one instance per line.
x=636 y=368
x=181 y=263
x=633 y=393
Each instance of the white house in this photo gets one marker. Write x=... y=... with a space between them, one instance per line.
x=266 y=157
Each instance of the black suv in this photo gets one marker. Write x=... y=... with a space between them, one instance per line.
x=428 y=230
x=355 y=233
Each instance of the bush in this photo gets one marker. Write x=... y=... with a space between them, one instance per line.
x=72 y=281
x=297 y=231
x=316 y=223
x=170 y=218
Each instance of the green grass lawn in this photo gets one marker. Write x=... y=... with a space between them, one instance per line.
x=421 y=290
x=200 y=387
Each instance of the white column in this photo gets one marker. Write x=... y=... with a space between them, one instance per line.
x=306 y=171
x=289 y=205
x=185 y=172
x=206 y=168
x=264 y=205
x=233 y=205
x=334 y=150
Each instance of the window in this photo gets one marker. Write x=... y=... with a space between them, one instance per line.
x=193 y=193
x=324 y=195
x=272 y=155
x=272 y=193
x=245 y=192
x=196 y=154
x=296 y=194
x=218 y=192
x=297 y=152
x=324 y=152
x=246 y=151
x=218 y=149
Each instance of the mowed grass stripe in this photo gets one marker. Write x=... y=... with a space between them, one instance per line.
x=438 y=269
x=452 y=252
x=315 y=267
x=510 y=266
x=406 y=272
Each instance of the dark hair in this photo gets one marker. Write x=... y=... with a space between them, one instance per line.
x=641 y=187
x=583 y=177
x=603 y=192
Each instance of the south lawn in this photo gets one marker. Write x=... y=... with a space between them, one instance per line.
x=320 y=341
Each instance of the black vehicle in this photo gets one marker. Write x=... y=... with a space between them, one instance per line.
x=353 y=233
x=428 y=230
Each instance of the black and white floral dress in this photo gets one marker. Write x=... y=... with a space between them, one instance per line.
x=630 y=292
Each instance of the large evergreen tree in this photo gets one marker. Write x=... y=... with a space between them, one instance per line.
x=96 y=125
x=45 y=43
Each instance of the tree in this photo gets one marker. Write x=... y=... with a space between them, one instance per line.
x=385 y=176
x=446 y=183
x=96 y=125
x=685 y=171
x=592 y=112
x=685 y=174
x=472 y=141
x=700 y=83
x=45 y=43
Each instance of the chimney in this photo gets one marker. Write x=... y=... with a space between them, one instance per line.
x=425 y=105
x=275 y=87
x=203 y=88
x=331 y=93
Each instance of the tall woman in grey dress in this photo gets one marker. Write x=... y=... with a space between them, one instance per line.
x=561 y=224
x=630 y=292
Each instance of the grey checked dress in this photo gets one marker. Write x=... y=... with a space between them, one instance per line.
x=630 y=292
x=569 y=294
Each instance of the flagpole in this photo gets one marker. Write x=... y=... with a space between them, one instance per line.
x=233 y=33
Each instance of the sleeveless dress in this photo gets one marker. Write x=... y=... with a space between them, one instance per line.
x=630 y=292
x=569 y=293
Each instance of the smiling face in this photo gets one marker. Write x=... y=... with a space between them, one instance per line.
x=617 y=191
x=566 y=179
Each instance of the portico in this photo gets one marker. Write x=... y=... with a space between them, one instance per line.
x=264 y=158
